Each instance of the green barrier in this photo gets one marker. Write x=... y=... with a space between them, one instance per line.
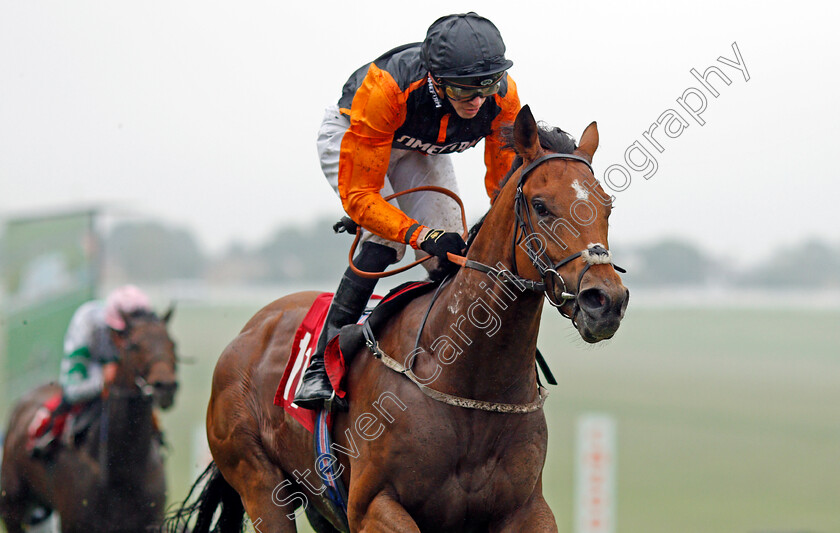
x=49 y=268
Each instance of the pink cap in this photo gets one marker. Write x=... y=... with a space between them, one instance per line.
x=124 y=300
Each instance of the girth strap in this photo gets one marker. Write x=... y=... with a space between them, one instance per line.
x=449 y=399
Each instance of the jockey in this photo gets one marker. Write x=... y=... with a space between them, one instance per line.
x=398 y=119
x=90 y=357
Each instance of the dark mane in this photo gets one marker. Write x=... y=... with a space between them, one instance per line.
x=552 y=139
x=143 y=314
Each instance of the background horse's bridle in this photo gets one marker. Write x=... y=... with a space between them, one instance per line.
x=140 y=387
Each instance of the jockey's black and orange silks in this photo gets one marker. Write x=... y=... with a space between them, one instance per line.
x=392 y=104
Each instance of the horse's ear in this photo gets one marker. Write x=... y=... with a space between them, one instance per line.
x=589 y=141
x=168 y=314
x=120 y=336
x=525 y=138
x=127 y=321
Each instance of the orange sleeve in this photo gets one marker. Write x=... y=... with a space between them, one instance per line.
x=496 y=158
x=377 y=111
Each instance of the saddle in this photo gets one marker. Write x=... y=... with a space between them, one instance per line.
x=337 y=358
x=340 y=349
x=55 y=423
x=81 y=420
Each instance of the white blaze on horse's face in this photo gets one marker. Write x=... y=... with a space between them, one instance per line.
x=580 y=190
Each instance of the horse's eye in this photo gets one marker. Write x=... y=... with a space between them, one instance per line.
x=540 y=208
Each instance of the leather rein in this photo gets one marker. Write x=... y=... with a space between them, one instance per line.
x=140 y=387
x=594 y=254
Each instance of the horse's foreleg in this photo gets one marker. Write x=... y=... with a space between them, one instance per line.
x=269 y=499
x=534 y=516
x=383 y=514
x=11 y=510
x=13 y=488
x=13 y=518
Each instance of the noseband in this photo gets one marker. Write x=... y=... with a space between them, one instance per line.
x=140 y=387
x=594 y=254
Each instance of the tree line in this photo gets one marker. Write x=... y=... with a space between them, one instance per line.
x=154 y=252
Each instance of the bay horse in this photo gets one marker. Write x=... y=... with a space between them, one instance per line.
x=458 y=442
x=113 y=480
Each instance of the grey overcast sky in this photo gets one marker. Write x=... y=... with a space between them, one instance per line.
x=204 y=113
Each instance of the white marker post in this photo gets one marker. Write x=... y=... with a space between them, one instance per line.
x=595 y=466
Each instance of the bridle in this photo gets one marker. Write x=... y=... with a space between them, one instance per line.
x=140 y=387
x=147 y=389
x=594 y=254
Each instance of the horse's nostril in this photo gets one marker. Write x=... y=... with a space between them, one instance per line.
x=164 y=386
x=593 y=300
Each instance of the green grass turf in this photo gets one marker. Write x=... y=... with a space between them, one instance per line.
x=728 y=420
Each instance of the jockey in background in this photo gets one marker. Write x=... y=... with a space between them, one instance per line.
x=396 y=123
x=90 y=359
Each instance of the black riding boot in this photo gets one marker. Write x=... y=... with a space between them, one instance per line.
x=347 y=306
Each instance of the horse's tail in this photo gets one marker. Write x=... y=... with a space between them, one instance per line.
x=214 y=492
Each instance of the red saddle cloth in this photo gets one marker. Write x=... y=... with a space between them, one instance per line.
x=40 y=424
x=303 y=346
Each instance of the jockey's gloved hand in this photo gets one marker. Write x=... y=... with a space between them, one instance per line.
x=438 y=242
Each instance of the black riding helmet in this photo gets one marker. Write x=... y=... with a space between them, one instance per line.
x=466 y=49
